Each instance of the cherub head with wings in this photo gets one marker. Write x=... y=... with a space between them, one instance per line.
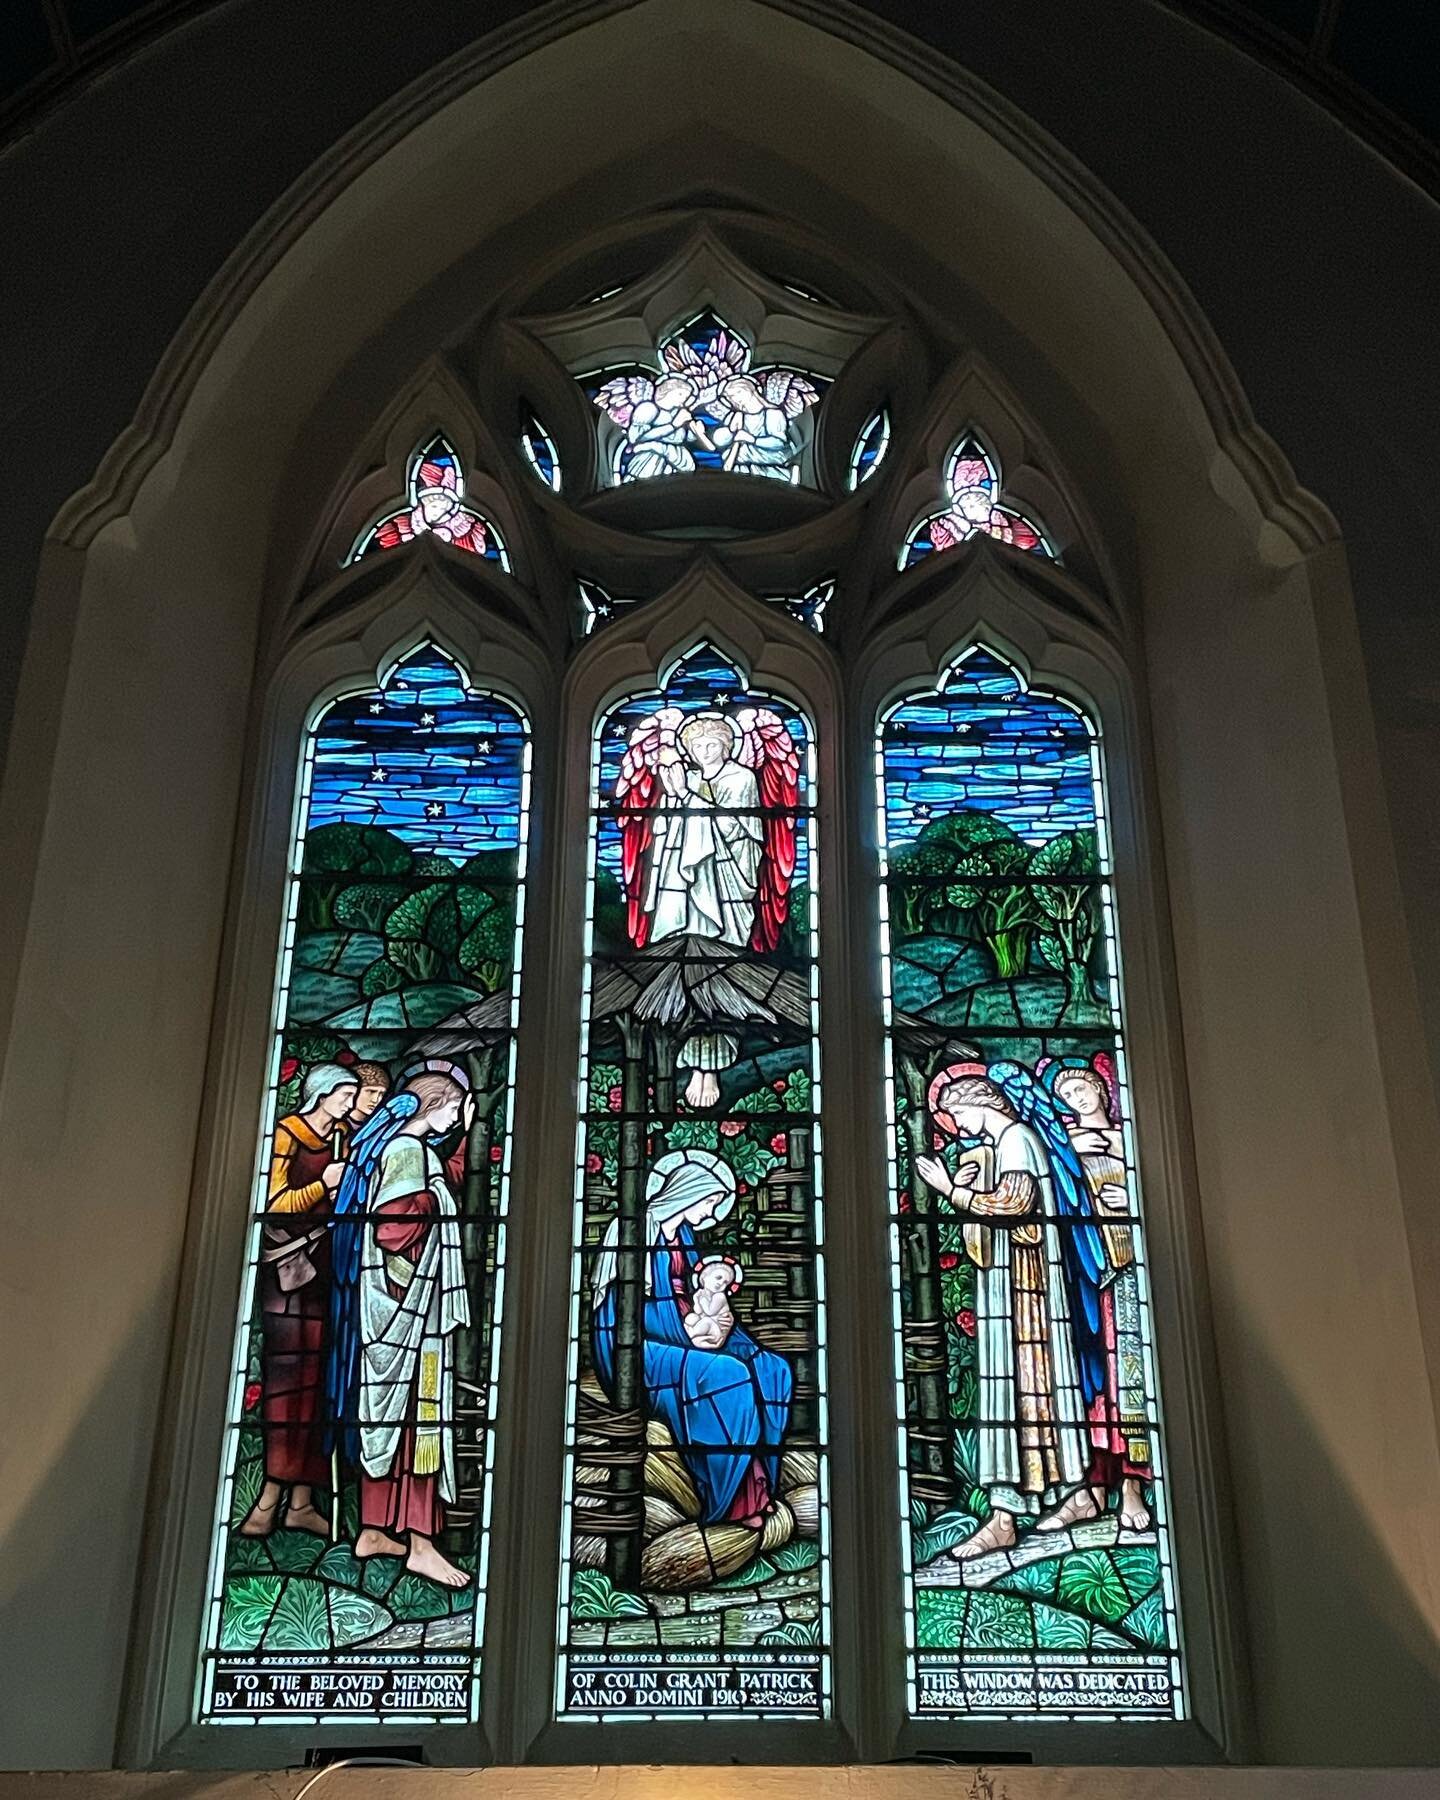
x=707 y=825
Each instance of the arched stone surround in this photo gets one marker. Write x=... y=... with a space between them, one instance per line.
x=168 y=579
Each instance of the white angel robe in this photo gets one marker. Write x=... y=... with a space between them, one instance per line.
x=703 y=877
x=407 y=1365
x=1034 y=1444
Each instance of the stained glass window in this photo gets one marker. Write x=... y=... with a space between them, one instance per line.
x=1039 y=1569
x=540 y=452
x=973 y=504
x=870 y=447
x=695 y=1565
x=704 y=407
x=434 y=502
x=348 y=1570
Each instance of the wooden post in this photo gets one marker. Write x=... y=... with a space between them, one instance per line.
x=930 y=1427
x=627 y=1458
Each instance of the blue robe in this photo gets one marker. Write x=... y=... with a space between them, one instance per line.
x=724 y=1408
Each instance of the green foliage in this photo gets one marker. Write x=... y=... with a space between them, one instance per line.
x=295 y=1552
x=1149 y=1623
x=1058 y=1630
x=1139 y=1567
x=797 y=1632
x=249 y=1477
x=248 y=1603
x=1033 y=1578
x=594 y=1596
x=355 y=850
x=301 y=1619
x=799 y=1553
x=354 y=1617
x=941 y=1534
x=412 y=1598
x=758 y=1569
x=246 y=1555
x=940 y=1618
x=998 y=1622
x=382 y=977
x=365 y=906
x=1090 y=1582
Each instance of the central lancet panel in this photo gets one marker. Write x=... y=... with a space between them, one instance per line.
x=695 y=1576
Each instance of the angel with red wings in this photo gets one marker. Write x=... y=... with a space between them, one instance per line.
x=437 y=508
x=707 y=843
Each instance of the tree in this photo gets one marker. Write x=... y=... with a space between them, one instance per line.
x=1065 y=895
x=334 y=856
x=989 y=867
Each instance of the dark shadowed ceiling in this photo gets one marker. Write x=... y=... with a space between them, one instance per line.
x=1376 y=63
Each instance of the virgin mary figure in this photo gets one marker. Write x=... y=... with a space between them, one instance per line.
x=727 y=1409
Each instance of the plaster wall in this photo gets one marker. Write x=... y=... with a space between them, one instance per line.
x=138 y=683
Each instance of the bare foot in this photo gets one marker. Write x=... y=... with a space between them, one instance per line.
x=1082 y=1504
x=702 y=1089
x=372 y=1542
x=307 y=1518
x=424 y=1559
x=1134 y=1513
x=997 y=1533
x=259 y=1522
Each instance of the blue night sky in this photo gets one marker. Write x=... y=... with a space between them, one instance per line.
x=704 y=682
x=439 y=767
x=987 y=745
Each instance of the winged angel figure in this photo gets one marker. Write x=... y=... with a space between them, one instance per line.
x=707 y=843
x=971 y=481
x=712 y=399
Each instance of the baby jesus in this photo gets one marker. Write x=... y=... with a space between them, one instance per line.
x=710 y=1321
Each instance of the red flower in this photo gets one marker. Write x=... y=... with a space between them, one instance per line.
x=252 y=1395
x=743 y=1187
x=948 y=1259
x=289 y=1067
x=497 y=1151
x=779 y=1143
x=937 y=1142
x=779 y=1086
x=965 y=1319
x=615 y=1099
x=903 y=1202
x=730 y=1128
x=345 y=1056
x=593 y=1164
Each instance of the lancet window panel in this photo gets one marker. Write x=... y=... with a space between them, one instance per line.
x=1035 y=1519
x=695 y=1567
x=349 y=1558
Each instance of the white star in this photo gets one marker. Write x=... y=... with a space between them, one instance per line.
x=435 y=810
x=483 y=747
x=376 y=706
x=427 y=718
x=379 y=775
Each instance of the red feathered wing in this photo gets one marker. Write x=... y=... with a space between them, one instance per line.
x=768 y=748
x=637 y=789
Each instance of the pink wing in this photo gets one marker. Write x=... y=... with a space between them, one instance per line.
x=946 y=531
x=637 y=790
x=768 y=748
x=397 y=529
x=784 y=388
x=622 y=394
x=1103 y=1064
